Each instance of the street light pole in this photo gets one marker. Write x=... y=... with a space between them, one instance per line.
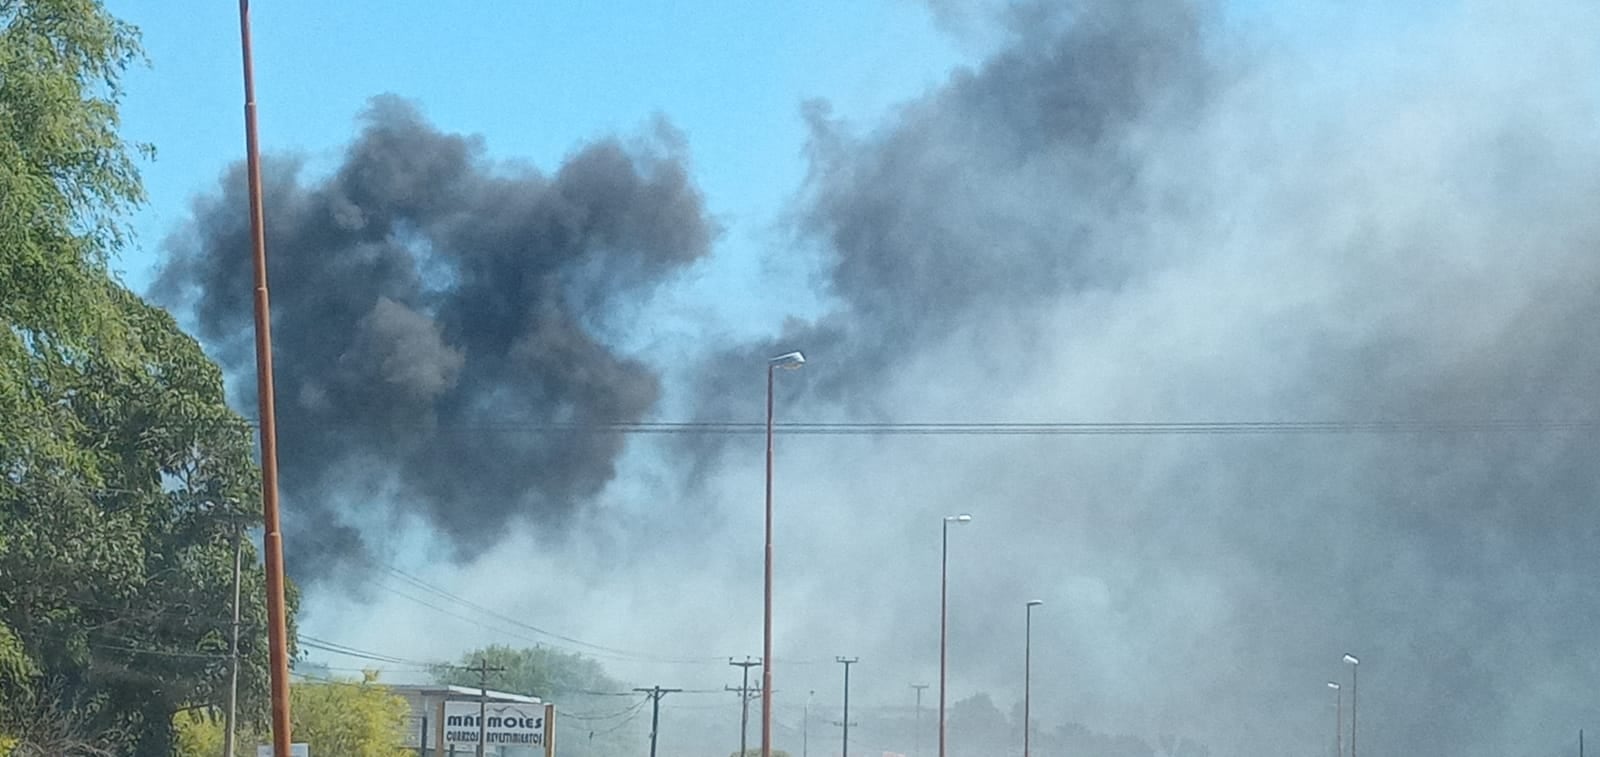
x=944 y=578
x=1338 y=718
x=1355 y=690
x=789 y=361
x=1027 y=676
x=267 y=414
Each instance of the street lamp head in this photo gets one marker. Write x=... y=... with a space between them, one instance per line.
x=962 y=518
x=1350 y=658
x=789 y=361
x=1035 y=602
x=1333 y=685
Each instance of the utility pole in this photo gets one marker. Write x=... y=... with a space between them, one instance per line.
x=483 y=703
x=655 y=693
x=916 y=734
x=846 y=662
x=744 y=701
x=233 y=649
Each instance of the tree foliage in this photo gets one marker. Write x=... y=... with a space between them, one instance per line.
x=66 y=175
x=535 y=671
x=123 y=473
x=49 y=729
x=199 y=733
x=345 y=718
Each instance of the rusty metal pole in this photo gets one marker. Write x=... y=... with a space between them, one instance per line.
x=272 y=539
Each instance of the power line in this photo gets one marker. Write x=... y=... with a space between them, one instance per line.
x=366 y=654
x=336 y=648
x=633 y=715
x=158 y=652
x=600 y=649
x=596 y=717
x=590 y=649
x=121 y=645
x=1009 y=428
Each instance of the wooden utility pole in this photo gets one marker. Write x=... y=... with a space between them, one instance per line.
x=655 y=693
x=483 y=703
x=744 y=701
x=846 y=662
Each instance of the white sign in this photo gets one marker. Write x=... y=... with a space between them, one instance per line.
x=503 y=723
x=295 y=750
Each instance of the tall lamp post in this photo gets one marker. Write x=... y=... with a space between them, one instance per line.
x=944 y=576
x=787 y=361
x=1355 y=690
x=272 y=535
x=1027 y=676
x=1338 y=718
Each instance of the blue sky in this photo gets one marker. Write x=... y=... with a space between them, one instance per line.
x=535 y=79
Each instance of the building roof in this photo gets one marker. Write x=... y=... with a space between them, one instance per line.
x=461 y=692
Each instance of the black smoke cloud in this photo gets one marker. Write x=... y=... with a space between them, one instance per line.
x=1008 y=188
x=1120 y=216
x=428 y=305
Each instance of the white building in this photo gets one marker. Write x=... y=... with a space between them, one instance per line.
x=444 y=722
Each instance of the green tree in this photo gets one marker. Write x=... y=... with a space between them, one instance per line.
x=535 y=671
x=66 y=176
x=117 y=557
x=122 y=471
x=343 y=718
x=199 y=733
